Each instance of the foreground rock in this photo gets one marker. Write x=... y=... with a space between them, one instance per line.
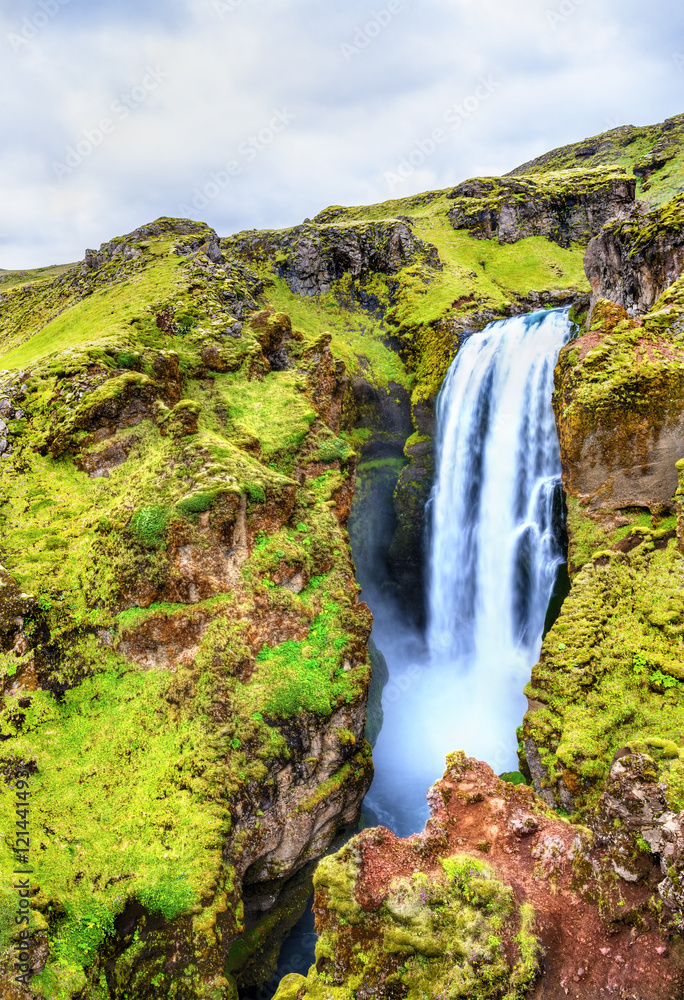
x=497 y=897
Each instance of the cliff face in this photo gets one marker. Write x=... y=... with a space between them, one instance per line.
x=567 y=208
x=620 y=407
x=654 y=154
x=635 y=259
x=609 y=676
x=184 y=663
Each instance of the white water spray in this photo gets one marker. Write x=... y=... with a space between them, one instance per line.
x=494 y=553
x=494 y=559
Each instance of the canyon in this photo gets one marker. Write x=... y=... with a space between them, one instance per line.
x=191 y=429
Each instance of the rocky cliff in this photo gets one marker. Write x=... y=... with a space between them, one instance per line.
x=184 y=663
x=610 y=669
x=653 y=154
x=499 y=897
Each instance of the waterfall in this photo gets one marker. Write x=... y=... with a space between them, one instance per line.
x=494 y=553
x=494 y=556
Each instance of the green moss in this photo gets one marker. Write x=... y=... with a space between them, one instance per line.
x=148 y=526
x=139 y=772
x=513 y=777
x=111 y=789
x=652 y=153
x=610 y=669
x=434 y=934
x=357 y=337
x=622 y=372
x=198 y=503
x=308 y=675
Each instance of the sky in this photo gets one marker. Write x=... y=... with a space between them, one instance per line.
x=260 y=113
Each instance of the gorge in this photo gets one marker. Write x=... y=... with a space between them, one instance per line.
x=189 y=423
x=494 y=553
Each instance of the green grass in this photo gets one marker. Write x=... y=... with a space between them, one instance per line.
x=101 y=318
x=627 y=147
x=275 y=411
x=114 y=786
x=10 y=279
x=358 y=338
x=304 y=675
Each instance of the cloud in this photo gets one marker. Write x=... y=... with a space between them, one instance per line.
x=185 y=84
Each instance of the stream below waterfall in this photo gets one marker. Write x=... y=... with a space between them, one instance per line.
x=494 y=548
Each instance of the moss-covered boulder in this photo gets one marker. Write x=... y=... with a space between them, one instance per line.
x=619 y=406
x=497 y=898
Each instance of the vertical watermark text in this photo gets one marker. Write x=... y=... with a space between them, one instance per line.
x=22 y=875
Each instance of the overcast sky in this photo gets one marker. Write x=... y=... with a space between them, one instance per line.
x=259 y=113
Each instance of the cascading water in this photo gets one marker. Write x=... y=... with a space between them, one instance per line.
x=494 y=554
x=494 y=558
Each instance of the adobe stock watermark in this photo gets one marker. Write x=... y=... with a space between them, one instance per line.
x=454 y=117
x=222 y=8
x=121 y=108
x=247 y=150
x=32 y=26
x=678 y=60
x=564 y=11
x=364 y=34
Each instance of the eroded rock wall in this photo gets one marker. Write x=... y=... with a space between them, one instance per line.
x=564 y=209
x=635 y=258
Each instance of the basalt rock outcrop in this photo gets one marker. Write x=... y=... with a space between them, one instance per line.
x=311 y=258
x=620 y=407
x=565 y=209
x=635 y=259
x=655 y=154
